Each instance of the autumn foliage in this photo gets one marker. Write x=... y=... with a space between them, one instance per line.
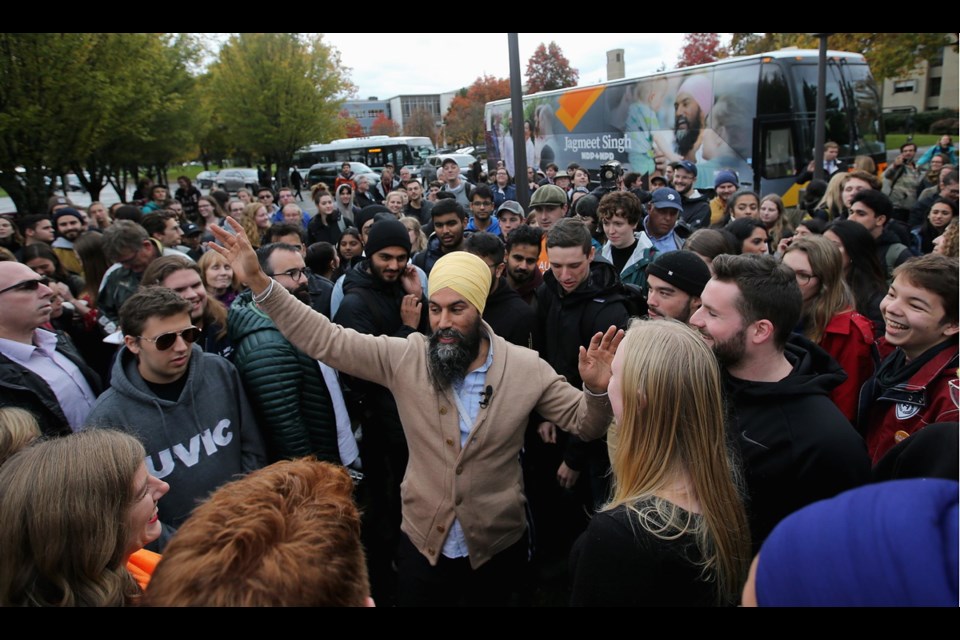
x=549 y=69
x=464 y=118
x=384 y=126
x=700 y=48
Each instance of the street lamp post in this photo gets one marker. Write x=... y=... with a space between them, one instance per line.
x=821 y=117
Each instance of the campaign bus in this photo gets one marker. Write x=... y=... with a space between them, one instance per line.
x=753 y=115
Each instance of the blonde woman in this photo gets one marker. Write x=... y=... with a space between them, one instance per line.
x=255 y=221
x=218 y=278
x=675 y=531
x=829 y=317
x=418 y=239
x=830 y=206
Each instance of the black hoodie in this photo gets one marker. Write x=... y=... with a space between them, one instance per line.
x=372 y=306
x=568 y=321
x=509 y=316
x=794 y=444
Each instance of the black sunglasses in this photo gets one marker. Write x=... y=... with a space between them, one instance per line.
x=27 y=285
x=166 y=340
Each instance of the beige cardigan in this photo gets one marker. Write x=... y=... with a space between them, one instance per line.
x=480 y=484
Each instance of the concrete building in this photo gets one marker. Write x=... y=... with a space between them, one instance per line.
x=398 y=108
x=366 y=111
x=931 y=86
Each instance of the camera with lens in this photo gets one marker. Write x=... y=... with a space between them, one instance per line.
x=610 y=173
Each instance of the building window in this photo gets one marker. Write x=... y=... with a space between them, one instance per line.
x=933 y=87
x=905 y=86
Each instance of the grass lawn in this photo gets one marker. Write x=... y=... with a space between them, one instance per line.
x=894 y=140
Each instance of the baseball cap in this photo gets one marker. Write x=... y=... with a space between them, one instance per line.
x=666 y=198
x=686 y=165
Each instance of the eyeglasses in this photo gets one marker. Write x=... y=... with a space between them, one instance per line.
x=27 y=285
x=166 y=340
x=265 y=196
x=293 y=274
x=804 y=278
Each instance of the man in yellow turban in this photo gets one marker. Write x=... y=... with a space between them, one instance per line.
x=464 y=396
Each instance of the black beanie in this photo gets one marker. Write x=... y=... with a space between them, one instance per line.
x=66 y=211
x=387 y=233
x=683 y=269
x=367 y=213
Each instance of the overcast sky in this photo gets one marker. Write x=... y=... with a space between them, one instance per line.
x=386 y=65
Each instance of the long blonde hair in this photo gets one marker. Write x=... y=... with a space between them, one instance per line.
x=65 y=521
x=832 y=200
x=413 y=224
x=677 y=432
x=18 y=428
x=834 y=295
x=249 y=223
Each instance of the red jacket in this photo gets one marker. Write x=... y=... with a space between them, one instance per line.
x=849 y=339
x=888 y=417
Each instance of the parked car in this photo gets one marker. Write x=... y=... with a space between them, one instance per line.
x=206 y=179
x=327 y=172
x=232 y=180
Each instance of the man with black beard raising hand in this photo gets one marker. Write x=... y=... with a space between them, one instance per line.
x=464 y=396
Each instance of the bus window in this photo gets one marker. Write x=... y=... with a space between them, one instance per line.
x=869 y=138
x=777 y=153
x=837 y=126
x=774 y=94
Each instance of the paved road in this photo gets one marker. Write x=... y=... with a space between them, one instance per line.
x=109 y=196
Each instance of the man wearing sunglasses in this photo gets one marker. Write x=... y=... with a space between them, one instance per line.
x=40 y=371
x=187 y=407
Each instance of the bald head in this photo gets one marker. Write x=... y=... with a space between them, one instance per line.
x=24 y=306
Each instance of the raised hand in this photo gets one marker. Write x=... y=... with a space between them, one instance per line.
x=238 y=251
x=596 y=361
x=410 y=311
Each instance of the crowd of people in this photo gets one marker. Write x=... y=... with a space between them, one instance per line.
x=634 y=393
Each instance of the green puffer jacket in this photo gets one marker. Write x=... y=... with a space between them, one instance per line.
x=285 y=387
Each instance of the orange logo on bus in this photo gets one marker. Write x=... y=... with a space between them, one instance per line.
x=573 y=104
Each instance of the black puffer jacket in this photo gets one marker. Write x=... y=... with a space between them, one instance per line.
x=285 y=386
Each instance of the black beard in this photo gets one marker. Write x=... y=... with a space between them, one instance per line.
x=730 y=352
x=301 y=293
x=448 y=363
x=685 y=139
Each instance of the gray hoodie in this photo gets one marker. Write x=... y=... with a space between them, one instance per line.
x=205 y=439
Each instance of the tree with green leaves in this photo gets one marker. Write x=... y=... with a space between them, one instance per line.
x=99 y=104
x=277 y=92
x=890 y=55
x=549 y=69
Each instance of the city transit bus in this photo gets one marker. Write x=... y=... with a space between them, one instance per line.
x=373 y=151
x=753 y=115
